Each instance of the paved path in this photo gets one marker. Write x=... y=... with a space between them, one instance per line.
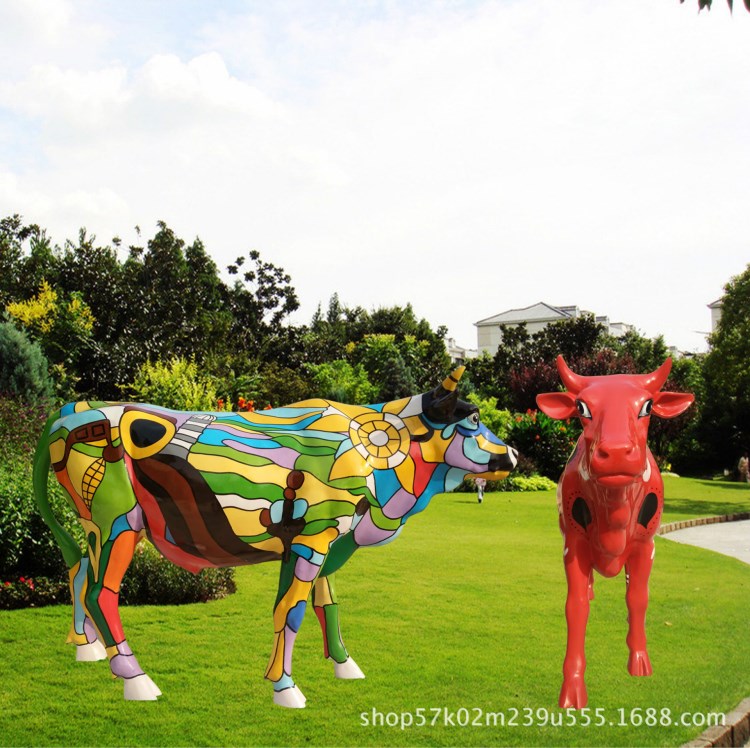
x=729 y=538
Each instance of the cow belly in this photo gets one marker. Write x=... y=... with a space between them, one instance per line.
x=184 y=519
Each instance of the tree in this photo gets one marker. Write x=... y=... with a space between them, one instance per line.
x=23 y=367
x=398 y=350
x=259 y=304
x=707 y=4
x=726 y=415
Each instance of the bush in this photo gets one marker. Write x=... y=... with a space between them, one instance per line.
x=175 y=384
x=23 y=367
x=153 y=580
x=26 y=592
x=514 y=482
x=544 y=441
x=32 y=570
x=342 y=382
x=499 y=422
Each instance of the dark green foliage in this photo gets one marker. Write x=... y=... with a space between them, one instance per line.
x=30 y=592
x=152 y=580
x=544 y=443
x=725 y=422
x=707 y=4
x=401 y=354
x=32 y=570
x=23 y=367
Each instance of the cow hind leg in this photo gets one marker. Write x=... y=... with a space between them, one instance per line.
x=102 y=600
x=82 y=632
x=327 y=610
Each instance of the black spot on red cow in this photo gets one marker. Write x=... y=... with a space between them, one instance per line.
x=581 y=513
x=648 y=509
x=144 y=432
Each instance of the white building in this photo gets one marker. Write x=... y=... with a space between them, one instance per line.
x=458 y=354
x=715 y=307
x=536 y=317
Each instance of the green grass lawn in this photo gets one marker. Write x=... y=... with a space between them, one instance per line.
x=465 y=610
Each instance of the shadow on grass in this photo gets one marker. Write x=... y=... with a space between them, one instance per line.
x=702 y=508
x=724 y=485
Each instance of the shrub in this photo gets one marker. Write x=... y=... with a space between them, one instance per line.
x=153 y=580
x=340 y=381
x=514 y=482
x=23 y=367
x=32 y=570
x=499 y=422
x=27 y=592
x=545 y=441
x=175 y=384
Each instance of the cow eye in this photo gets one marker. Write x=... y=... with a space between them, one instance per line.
x=646 y=409
x=583 y=409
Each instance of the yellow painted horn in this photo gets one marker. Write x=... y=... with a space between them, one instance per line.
x=451 y=381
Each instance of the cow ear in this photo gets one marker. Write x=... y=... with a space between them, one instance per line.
x=559 y=405
x=671 y=404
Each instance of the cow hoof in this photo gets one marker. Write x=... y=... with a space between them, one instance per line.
x=347 y=670
x=92 y=652
x=292 y=698
x=573 y=694
x=639 y=663
x=141 y=688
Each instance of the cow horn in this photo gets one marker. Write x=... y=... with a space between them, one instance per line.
x=654 y=381
x=451 y=381
x=573 y=382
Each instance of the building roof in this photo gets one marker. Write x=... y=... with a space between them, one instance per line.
x=540 y=312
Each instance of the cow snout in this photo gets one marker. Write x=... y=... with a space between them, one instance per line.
x=505 y=462
x=615 y=452
x=616 y=461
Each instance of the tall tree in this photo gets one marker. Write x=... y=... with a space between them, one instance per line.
x=726 y=415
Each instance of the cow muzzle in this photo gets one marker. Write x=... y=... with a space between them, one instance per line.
x=503 y=463
x=615 y=465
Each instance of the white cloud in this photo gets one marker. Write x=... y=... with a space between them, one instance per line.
x=466 y=159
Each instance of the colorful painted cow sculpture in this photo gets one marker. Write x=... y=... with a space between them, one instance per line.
x=610 y=499
x=307 y=484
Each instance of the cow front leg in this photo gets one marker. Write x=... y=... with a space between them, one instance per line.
x=578 y=570
x=638 y=570
x=327 y=610
x=295 y=583
x=108 y=564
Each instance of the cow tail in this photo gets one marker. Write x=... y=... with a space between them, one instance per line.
x=70 y=549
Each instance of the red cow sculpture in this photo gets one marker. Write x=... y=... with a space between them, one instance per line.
x=610 y=499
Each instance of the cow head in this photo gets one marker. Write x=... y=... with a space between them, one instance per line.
x=432 y=438
x=615 y=412
x=449 y=430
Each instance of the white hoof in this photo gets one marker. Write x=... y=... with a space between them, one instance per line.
x=92 y=652
x=141 y=688
x=348 y=670
x=292 y=698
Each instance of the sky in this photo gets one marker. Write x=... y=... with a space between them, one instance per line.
x=464 y=157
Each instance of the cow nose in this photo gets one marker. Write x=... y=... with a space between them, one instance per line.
x=611 y=450
x=503 y=462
